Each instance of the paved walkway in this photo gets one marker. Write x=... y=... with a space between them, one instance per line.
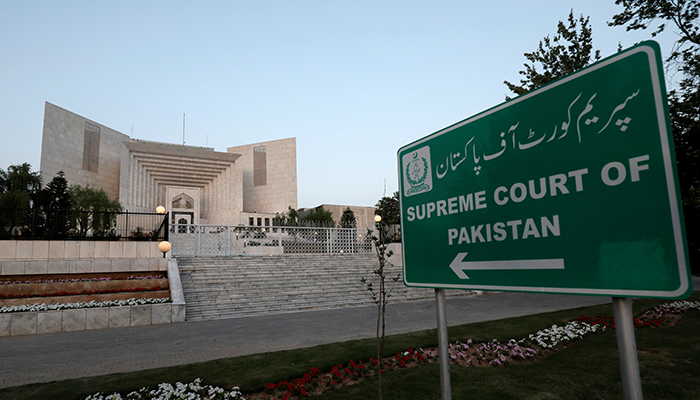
x=53 y=357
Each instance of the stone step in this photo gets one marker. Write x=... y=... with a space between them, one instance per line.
x=227 y=287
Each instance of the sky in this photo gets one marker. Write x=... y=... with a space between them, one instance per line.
x=352 y=81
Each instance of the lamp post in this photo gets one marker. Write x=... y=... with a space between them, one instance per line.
x=165 y=224
x=164 y=247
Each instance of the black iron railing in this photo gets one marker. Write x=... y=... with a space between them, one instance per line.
x=28 y=224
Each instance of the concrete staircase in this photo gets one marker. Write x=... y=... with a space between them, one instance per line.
x=227 y=287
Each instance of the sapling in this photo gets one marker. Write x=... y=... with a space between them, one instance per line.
x=380 y=296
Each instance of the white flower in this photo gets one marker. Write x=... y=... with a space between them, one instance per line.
x=549 y=338
x=181 y=391
x=92 y=304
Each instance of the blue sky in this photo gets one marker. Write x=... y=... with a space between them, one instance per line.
x=352 y=80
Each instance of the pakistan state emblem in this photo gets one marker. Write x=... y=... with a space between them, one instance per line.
x=417 y=177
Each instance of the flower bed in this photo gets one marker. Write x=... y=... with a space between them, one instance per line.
x=555 y=335
x=191 y=391
x=485 y=354
x=315 y=382
x=140 y=234
x=469 y=353
x=90 y=304
x=662 y=315
x=81 y=287
x=84 y=292
x=11 y=280
x=85 y=298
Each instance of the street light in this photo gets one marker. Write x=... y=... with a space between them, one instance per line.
x=164 y=247
x=378 y=222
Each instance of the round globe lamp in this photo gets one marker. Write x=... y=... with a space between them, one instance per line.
x=164 y=247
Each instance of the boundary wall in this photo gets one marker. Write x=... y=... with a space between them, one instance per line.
x=81 y=319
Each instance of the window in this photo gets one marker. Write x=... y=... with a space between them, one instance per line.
x=251 y=221
x=181 y=228
x=91 y=147
x=259 y=165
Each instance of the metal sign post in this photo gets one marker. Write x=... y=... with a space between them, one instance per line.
x=443 y=351
x=627 y=348
x=571 y=188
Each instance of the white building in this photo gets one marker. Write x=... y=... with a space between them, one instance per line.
x=246 y=185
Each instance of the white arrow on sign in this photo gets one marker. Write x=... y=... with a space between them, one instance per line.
x=458 y=265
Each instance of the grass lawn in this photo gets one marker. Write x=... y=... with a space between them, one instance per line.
x=588 y=369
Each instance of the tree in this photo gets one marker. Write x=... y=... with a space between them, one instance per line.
x=96 y=206
x=290 y=218
x=90 y=199
x=684 y=103
x=319 y=217
x=18 y=189
x=348 y=236
x=389 y=209
x=639 y=14
x=292 y=215
x=55 y=195
x=570 y=50
x=53 y=207
x=347 y=220
x=380 y=295
x=18 y=186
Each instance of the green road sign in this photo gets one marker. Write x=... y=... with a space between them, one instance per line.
x=571 y=188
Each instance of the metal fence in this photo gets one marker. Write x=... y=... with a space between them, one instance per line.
x=216 y=240
x=82 y=225
x=390 y=233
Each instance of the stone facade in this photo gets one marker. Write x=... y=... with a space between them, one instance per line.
x=269 y=173
x=220 y=188
x=159 y=173
x=64 y=148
